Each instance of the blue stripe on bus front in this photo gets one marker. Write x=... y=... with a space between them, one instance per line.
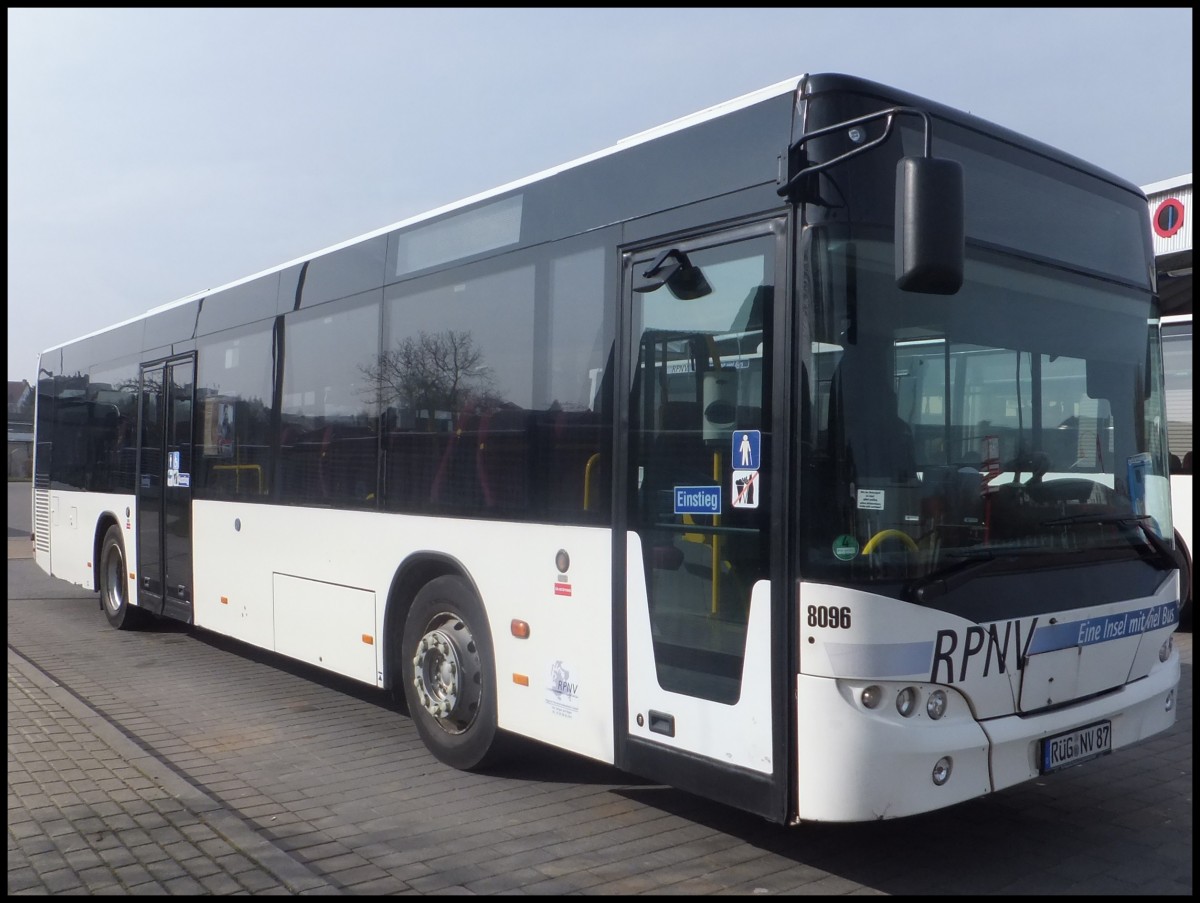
x=1099 y=630
x=879 y=659
x=894 y=660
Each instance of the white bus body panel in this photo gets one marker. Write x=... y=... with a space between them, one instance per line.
x=74 y=517
x=855 y=763
x=1137 y=710
x=278 y=577
x=738 y=734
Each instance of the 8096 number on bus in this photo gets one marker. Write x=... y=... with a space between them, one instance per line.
x=829 y=616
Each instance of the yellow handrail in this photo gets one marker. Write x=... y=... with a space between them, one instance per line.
x=587 y=481
x=887 y=534
x=237 y=469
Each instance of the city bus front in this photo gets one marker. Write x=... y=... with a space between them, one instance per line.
x=987 y=589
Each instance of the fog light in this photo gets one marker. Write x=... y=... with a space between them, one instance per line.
x=906 y=701
x=1164 y=651
x=935 y=705
x=941 y=771
x=1170 y=701
x=872 y=696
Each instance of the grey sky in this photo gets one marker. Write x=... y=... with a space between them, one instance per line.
x=153 y=154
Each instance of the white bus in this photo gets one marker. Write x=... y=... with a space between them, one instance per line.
x=729 y=455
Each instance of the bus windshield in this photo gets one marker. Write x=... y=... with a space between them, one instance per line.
x=1018 y=421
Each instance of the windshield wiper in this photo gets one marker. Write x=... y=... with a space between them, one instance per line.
x=942 y=582
x=1143 y=522
x=972 y=562
x=997 y=550
x=1111 y=517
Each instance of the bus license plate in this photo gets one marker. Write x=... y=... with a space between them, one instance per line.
x=1075 y=746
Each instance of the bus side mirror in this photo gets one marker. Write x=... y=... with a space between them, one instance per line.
x=930 y=225
x=674 y=269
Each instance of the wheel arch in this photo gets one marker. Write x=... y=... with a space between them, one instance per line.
x=106 y=520
x=414 y=572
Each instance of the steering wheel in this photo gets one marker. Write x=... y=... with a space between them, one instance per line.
x=879 y=537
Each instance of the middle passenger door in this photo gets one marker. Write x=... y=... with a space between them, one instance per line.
x=701 y=607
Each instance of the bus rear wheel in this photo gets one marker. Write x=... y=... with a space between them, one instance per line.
x=448 y=672
x=114 y=586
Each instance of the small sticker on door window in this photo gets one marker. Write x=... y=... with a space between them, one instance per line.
x=870 y=499
x=845 y=547
x=746 y=487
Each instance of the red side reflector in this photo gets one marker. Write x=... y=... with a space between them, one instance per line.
x=520 y=629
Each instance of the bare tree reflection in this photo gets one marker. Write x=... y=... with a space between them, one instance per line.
x=432 y=373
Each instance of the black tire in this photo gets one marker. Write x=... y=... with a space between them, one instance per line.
x=114 y=583
x=448 y=671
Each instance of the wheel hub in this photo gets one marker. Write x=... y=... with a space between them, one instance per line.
x=446 y=673
x=114 y=572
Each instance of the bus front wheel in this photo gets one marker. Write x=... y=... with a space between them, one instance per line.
x=114 y=586
x=448 y=671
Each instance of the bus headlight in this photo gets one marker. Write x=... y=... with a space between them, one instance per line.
x=872 y=696
x=935 y=705
x=906 y=701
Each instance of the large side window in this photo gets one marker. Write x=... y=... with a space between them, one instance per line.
x=233 y=415
x=491 y=380
x=112 y=397
x=328 y=444
x=72 y=433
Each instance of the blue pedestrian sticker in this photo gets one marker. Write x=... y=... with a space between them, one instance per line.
x=747 y=447
x=697 y=499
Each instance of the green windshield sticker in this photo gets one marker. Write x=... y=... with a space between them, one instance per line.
x=845 y=547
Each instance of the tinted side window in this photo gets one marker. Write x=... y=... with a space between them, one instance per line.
x=47 y=405
x=491 y=386
x=68 y=447
x=328 y=447
x=239 y=305
x=232 y=424
x=344 y=272
x=112 y=398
